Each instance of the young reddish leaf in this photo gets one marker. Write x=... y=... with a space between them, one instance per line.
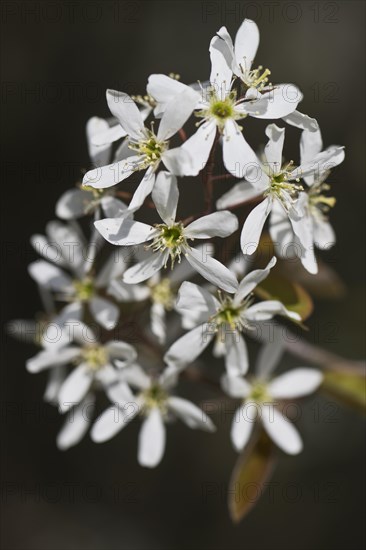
x=252 y=469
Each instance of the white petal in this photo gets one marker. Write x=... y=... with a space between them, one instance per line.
x=135 y=376
x=246 y=44
x=113 y=267
x=267 y=309
x=119 y=393
x=146 y=269
x=268 y=358
x=236 y=358
x=56 y=377
x=295 y=383
x=60 y=331
x=111 y=421
x=99 y=155
x=212 y=270
x=187 y=348
x=218 y=224
x=73 y=203
x=48 y=275
x=104 y=312
x=190 y=414
x=71 y=243
x=199 y=146
x=151 y=443
x=241 y=192
x=197 y=298
x=123 y=231
x=253 y=279
x=124 y=292
x=322 y=162
x=274 y=147
x=127 y=113
x=76 y=424
x=281 y=431
x=158 y=322
x=176 y=113
x=221 y=72
x=178 y=161
x=278 y=103
x=165 y=196
x=113 y=208
x=252 y=228
x=107 y=137
x=311 y=144
x=299 y=120
x=121 y=350
x=235 y=386
x=75 y=387
x=238 y=156
x=242 y=426
x=163 y=88
x=143 y=190
x=46 y=358
x=111 y=174
x=324 y=236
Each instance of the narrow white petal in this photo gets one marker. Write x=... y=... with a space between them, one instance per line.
x=176 y=113
x=238 y=156
x=252 y=228
x=242 y=426
x=165 y=196
x=277 y=103
x=299 y=120
x=126 y=111
x=212 y=270
x=75 y=387
x=163 y=88
x=110 y=422
x=236 y=357
x=281 y=431
x=76 y=424
x=48 y=275
x=121 y=350
x=146 y=269
x=108 y=136
x=111 y=174
x=143 y=190
x=199 y=146
x=113 y=208
x=46 y=359
x=274 y=147
x=295 y=383
x=192 y=297
x=99 y=154
x=73 y=203
x=324 y=236
x=268 y=309
x=221 y=62
x=187 y=348
x=104 y=312
x=158 y=322
x=241 y=192
x=218 y=224
x=124 y=231
x=235 y=386
x=246 y=44
x=151 y=445
x=253 y=279
x=190 y=414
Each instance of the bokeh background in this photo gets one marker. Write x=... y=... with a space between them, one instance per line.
x=57 y=60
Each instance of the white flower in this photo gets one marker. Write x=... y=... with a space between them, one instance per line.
x=170 y=240
x=222 y=104
x=148 y=149
x=278 y=185
x=317 y=230
x=156 y=406
x=160 y=291
x=67 y=248
x=78 y=202
x=225 y=318
x=261 y=395
x=93 y=364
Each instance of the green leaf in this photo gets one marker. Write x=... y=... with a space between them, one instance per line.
x=293 y=296
x=252 y=469
x=347 y=387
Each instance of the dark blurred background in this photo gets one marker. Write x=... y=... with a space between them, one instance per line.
x=58 y=57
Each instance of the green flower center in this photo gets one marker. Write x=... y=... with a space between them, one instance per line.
x=162 y=293
x=259 y=393
x=95 y=356
x=84 y=289
x=150 y=149
x=171 y=238
x=230 y=316
x=154 y=397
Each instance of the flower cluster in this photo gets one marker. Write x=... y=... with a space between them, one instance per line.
x=178 y=281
